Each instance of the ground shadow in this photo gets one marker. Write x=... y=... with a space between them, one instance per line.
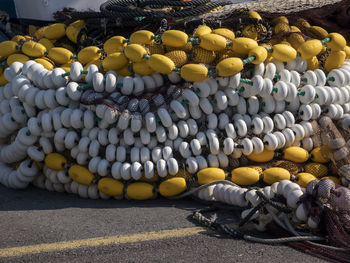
x=37 y=199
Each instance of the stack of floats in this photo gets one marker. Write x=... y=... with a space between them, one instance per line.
x=152 y=113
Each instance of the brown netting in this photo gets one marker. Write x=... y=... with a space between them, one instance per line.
x=323 y=253
x=276 y=6
x=336 y=211
x=329 y=204
x=345 y=131
x=316 y=134
x=333 y=15
x=334 y=147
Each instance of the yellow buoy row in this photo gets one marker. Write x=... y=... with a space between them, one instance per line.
x=293 y=153
x=282 y=170
x=175 y=185
x=204 y=46
x=171 y=186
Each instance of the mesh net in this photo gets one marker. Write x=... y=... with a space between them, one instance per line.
x=329 y=14
x=329 y=204
x=335 y=200
x=334 y=147
x=316 y=137
x=276 y=6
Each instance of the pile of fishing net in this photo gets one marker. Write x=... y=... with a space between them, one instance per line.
x=242 y=110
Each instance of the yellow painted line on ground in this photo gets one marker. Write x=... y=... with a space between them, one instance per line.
x=99 y=241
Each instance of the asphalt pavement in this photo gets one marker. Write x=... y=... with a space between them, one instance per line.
x=152 y=231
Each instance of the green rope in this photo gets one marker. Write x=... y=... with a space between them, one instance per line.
x=212 y=72
x=248 y=60
x=240 y=90
x=157 y=37
x=185 y=102
x=247 y=81
x=194 y=41
x=65 y=74
x=88 y=85
x=324 y=41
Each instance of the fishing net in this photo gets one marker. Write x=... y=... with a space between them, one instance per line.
x=333 y=15
x=119 y=17
x=335 y=146
x=122 y=17
x=329 y=204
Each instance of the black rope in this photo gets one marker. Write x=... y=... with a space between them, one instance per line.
x=274 y=204
x=251 y=213
x=214 y=224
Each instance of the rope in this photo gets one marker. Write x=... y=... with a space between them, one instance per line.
x=204 y=221
x=291 y=229
x=274 y=204
x=275 y=218
x=251 y=213
x=282 y=240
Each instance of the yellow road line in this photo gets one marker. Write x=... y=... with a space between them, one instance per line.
x=99 y=241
